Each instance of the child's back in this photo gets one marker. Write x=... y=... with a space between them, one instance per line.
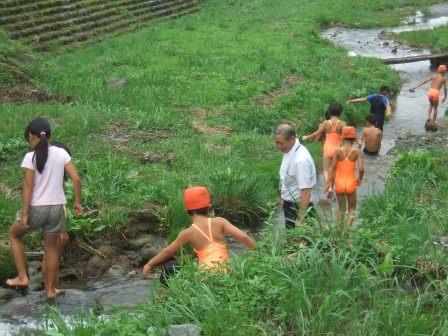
x=372 y=139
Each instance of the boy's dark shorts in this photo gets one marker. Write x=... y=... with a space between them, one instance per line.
x=365 y=151
x=51 y=218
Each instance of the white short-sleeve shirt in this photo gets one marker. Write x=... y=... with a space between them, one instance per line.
x=48 y=187
x=296 y=172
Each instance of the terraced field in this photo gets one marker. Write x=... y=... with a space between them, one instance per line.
x=47 y=24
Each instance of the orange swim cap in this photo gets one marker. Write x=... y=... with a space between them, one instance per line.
x=442 y=68
x=196 y=198
x=348 y=132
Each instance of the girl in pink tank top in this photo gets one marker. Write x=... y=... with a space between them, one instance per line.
x=206 y=234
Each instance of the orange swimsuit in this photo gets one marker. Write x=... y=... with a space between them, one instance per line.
x=215 y=254
x=331 y=141
x=433 y=94
x=345 y=181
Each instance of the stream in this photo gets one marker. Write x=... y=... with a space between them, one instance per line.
x=409 y=116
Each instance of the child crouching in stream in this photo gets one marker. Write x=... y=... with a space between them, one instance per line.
x=206 y=234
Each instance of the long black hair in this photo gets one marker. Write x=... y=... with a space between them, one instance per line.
x=39 y=127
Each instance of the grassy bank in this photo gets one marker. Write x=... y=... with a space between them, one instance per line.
x=202 y=95
x=434 y=39
x=386 y=278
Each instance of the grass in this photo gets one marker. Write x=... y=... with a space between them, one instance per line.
x=385 y=278
x=190 y=81
x=434 y=39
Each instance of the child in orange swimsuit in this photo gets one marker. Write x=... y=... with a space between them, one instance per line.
x=438 y=81
x=206 y=234
x=342 y=174
x=332 y=130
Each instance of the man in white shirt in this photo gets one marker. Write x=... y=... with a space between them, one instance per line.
x=297 y=176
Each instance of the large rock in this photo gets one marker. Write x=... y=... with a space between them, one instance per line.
x=150 y=250
x=144 y=239
x=101 y=262
x=116 y=271
x=35 y=304
x=7 y=294
x=184 y=330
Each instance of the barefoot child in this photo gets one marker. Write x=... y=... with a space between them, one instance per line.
x=342 y=174
x=379 y=104
x=371 y=137
x=437 y=81
x=332 y=130
x=43 y=202
x=206 y=234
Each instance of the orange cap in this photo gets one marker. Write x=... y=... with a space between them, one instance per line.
x=196 y=198
x=442 y=68
x=348 y=132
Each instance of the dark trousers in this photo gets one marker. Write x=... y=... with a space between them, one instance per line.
x=379 y=121
x=291 y=208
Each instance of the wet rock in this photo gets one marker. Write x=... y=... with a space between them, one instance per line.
x=151 y=249
x=35 y=286
x=32 y=271
x=116 y=271
x=35 y=304
x=121 y=292
x=7 y=294
x=137 y=243
x=184 y=330
x=385 y=44
x=116 y=83
x=394 y=50
x=96 y=266
x=151 y=331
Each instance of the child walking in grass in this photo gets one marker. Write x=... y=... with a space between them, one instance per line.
x=43 y=202
x=342 y=174
x=206 y=234
x=331 y=129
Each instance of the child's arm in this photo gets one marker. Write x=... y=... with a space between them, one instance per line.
x=444 y=91
x=363 y=138
x=238 y=234
x=357 y=100
x=71 y=171
x=167 y=252
x=380 y=140
x=360 y=165
x=27 y=193
x=421 y=83
x=316 y=135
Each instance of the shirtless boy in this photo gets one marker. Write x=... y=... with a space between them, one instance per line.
x=371 y=137
x=437 y=81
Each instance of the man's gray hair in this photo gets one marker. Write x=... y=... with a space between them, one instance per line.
x=286 y=130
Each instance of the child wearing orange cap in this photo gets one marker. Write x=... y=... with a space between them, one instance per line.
x=206 y=234
x=437 y=81
x=342 y=174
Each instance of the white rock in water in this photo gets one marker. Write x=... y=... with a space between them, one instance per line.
x=184 y=330
x=351 y=54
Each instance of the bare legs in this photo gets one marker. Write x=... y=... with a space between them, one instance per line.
x=433 y=106
x=326 y=163
x=51 y=264
x=347 y=202
x=15 y=235
x=62 y=242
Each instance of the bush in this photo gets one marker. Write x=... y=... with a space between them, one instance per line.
x=239 y=197
x=7 y=267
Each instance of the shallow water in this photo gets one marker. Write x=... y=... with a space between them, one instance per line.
x=410 y=109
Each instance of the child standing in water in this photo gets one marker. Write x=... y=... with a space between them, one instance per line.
x=43 y=203
x=437 y=81
x=206 y=234
x=371 y=137
x=342 y=174
x=331 y=129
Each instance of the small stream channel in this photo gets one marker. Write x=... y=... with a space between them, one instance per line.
x=409 y=116
x=410 y=110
